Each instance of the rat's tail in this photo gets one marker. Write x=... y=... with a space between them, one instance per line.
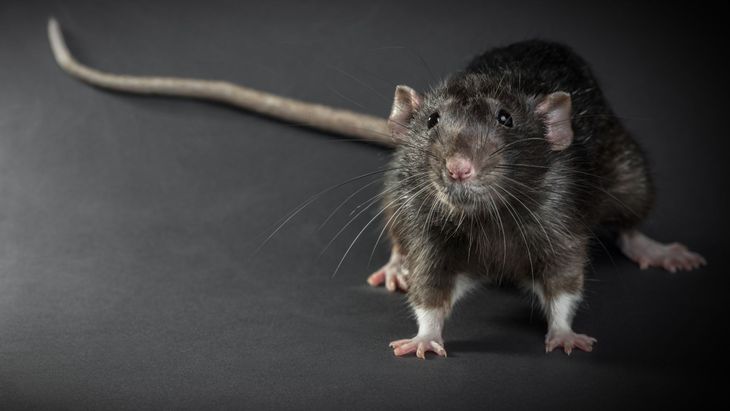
x=317 y=116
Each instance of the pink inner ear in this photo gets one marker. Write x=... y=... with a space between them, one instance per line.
x=405 y=103
x=556 y=110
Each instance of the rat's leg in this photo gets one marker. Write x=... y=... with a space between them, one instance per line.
x=432 y=302
x=650 y=253
x=393 y=273
x=630 y=197
x=560 y=295
x=561 y=309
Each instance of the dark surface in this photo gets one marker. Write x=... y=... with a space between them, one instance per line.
x=127 y=224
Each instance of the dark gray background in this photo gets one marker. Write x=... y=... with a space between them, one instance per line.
x=127 y=223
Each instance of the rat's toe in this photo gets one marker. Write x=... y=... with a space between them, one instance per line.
x=376 y=278
x=405 y=348
x=438 y=348
x=398 y=343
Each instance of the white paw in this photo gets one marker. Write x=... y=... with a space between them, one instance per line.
x=420 y=344
x=568 y=340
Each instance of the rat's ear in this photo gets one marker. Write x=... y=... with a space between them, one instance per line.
x=405 y=103
x=555 y=109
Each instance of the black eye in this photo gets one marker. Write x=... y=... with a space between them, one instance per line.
x=433 y=119
x=504 y=118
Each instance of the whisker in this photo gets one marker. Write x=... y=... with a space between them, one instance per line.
x=537 y=220
x=504 y=236
x=365 y=227
x=341 y=230
x=339 y=206
x=517 y=220
x=563 y=228
x=359 y=81
x=507 y=145
x=312 y=199
x=344 y=97
x=376 y=197
x=372 y=252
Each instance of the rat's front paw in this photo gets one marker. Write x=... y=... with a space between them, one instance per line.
x=420 y=344
x=568 y=340
x=392 y=274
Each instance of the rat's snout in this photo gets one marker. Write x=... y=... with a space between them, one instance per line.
x=460 y=168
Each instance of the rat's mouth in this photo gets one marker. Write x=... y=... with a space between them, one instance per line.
x=464 y=196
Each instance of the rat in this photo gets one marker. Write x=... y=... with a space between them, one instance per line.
x=500 y=173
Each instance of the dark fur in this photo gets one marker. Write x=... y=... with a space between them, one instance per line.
x=600 y=179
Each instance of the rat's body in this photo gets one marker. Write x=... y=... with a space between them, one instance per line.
x=500 y=173
x=532 y=222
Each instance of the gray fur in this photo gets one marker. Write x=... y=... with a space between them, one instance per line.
x=529 y=215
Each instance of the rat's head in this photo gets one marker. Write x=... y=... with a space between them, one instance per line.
x=478 y=140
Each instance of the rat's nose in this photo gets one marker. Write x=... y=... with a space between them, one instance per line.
x=460 y=168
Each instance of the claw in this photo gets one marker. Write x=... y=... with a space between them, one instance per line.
x=420 y=351
x=438 y=349
x=398 y=343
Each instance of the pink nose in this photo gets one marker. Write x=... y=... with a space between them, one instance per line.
x=460 y=169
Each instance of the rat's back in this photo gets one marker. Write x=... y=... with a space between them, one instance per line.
x=536 y=67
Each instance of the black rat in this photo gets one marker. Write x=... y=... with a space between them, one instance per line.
x=500 y=173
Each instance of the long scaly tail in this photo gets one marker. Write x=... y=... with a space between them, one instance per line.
x=338 y=121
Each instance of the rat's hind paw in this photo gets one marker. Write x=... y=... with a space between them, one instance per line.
x=568 y=340
x=393 y=274
x=649 y=253
x=420 y=344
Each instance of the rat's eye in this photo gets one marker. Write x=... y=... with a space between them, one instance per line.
x=433 y=119
x=504 y=118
